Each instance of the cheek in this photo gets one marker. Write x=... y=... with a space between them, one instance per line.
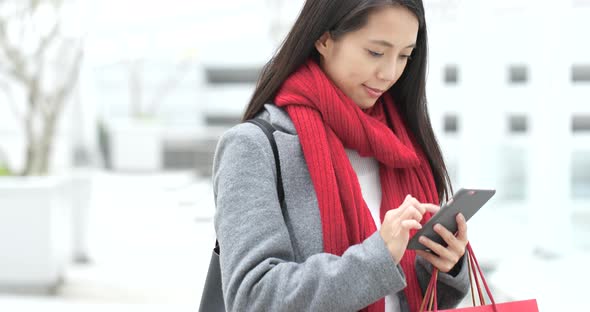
x=349 y=69
x=356 y=69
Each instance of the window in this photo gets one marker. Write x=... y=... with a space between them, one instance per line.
x=581 y=123
x=226 y=120
x=451 y=124
x=451 y=75
x=580 y=175
x=580 y=73
x=517 y=124
x=517 y=74
x=232 y=75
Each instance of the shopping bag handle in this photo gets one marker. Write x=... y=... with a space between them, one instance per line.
x=429 y=295
x=479 y=270
x=474 y=269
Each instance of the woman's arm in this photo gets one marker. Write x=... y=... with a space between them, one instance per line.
x=257 y=258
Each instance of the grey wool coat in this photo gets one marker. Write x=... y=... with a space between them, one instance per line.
x=273 y=260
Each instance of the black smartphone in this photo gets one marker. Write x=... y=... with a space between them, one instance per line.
x=465 y=201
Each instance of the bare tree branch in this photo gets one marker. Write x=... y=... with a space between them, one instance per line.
x=2 y=29
x=34 y=93
x=45 y=104
x=11 y=102
x=16 y=59
x=66 y=88
x=43 y=107
x=48 y=39
x=23 y=10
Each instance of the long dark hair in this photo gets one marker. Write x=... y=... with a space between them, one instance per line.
x=340 y=17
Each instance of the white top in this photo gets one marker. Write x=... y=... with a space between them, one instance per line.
x=367 y=171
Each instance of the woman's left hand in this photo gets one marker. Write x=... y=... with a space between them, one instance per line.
x=445 y=258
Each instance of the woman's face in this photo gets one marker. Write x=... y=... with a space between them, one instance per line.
x=367 y=62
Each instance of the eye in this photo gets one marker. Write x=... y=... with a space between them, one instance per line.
x=375 y=54
x=406 y=57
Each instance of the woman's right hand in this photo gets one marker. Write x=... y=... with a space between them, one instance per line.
x=396 y=226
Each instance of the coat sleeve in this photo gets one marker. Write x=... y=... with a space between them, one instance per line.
x=258 y=269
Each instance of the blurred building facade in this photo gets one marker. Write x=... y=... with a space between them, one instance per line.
x=508 y=90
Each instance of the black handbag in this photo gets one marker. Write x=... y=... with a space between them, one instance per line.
x=212 y=296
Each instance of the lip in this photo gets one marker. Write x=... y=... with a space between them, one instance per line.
x=374 y=93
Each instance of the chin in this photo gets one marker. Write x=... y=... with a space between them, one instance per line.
x=367 y=104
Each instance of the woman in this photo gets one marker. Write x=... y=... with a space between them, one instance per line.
x=360 y=164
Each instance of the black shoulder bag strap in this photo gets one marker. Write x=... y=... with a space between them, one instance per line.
x=212 y=296
x=269 y=130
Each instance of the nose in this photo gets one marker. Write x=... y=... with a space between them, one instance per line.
x=388 y=71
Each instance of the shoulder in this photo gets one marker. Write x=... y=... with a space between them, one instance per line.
x=278 y=117
x=243 y=151
x=247 y=133
x=240 y=141
x=247 y=140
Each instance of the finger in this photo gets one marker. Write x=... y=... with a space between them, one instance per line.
x=430 y=257
x=411 y=224
x=431 y=208
x=406 y=201
x=455 y=246
x=436 y=261
x=462 y=225
x=394 y=213
x=411 y=213
x=446 y=235
x=411 y=201
x=418 y=206
x=437 y=248
x=454 y=243
x=423 y=254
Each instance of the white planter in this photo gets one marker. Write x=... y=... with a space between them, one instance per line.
x=135 y=145
x=34 y=223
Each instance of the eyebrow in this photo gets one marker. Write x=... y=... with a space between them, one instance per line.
x=389 y=44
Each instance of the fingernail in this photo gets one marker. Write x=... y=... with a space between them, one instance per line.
x=461 y=217
x=422 y=239
x=438 y=227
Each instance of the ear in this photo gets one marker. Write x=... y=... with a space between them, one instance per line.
x=324 y=43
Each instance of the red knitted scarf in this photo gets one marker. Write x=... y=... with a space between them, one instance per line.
x=327 y=121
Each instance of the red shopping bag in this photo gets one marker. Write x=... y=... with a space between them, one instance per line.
x=475 y=274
